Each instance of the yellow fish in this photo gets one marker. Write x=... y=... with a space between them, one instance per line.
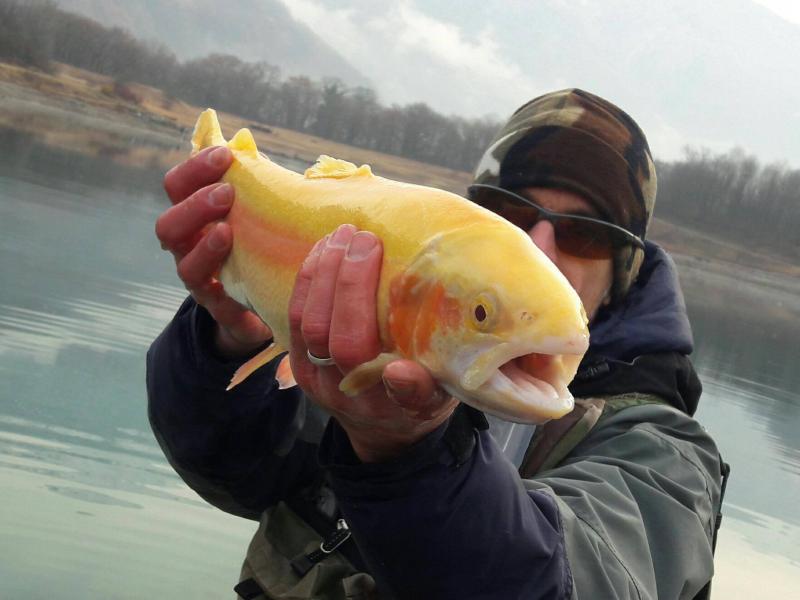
x=462 y=291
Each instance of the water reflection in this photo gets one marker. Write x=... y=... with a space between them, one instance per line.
x=89 y=495
x=24 y=157
x=746 y=347
x=128 y=320
x=105 y=516
x=128 y=462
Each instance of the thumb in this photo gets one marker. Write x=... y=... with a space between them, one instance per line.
x=411 y=387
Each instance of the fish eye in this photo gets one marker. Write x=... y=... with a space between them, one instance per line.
x=483 y=311
x=480 y=313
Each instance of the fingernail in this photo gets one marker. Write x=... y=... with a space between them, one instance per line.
x=218 y=157
x=215 y=239
x=221 y=196
x=400 y=390
x=315 y=251
x=361 y=245
x=341 y=236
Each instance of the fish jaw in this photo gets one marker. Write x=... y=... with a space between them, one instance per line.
x=518 y=380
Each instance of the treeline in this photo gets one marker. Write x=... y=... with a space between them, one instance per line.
x=735 y=197
x=39 y=33
x=730 y=195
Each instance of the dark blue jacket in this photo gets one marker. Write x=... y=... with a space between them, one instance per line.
x=446 y=520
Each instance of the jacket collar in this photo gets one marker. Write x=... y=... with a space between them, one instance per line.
x=652 y=318
x=641 y=345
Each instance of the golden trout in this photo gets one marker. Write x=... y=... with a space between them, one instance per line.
x=462 y=291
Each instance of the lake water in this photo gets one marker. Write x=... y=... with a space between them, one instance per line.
x=90 y=508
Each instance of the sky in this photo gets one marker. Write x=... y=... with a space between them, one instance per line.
x=786 y=9
x=691 y=73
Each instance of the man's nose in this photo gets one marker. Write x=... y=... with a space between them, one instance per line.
x=544 y=236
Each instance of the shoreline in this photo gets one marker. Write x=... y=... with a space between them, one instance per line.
x=76 y=111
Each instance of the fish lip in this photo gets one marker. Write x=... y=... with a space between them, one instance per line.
x=489 y=363
x=526 y=398
x=504 y=388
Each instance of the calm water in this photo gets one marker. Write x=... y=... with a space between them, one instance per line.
x=92 y=510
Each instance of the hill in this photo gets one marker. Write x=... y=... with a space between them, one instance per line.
x=716 y=74
x=253 y=30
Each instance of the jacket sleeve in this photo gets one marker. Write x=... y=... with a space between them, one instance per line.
x=431 y=526
x=242 y=450
x=638 y=500
x=629 y=514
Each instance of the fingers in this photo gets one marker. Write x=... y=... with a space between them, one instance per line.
x=179 y=226
x=200 y=200
x=318 y=309
x=411 y=386
x=240 y=330
x=198 y=267
x=207 y=167
x=297 y=303
x=354 y=336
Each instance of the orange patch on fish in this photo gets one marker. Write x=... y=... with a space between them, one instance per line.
x=417 y=310
x=270 y=243
x=450 y=312
x=428 y=318
x=403 y=308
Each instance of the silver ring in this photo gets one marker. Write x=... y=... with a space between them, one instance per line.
x=319 y=361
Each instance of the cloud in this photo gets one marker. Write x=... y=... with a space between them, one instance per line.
x=422 y=58
x=786 y=9
x=668 y=142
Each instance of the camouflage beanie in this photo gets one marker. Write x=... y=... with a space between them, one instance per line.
x=577 y=141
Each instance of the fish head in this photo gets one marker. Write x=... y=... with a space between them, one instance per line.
x=493 y=320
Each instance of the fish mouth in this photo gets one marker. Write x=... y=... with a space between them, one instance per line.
x=525 y=383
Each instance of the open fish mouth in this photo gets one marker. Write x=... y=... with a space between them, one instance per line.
x=525 y=384
x=548 y=381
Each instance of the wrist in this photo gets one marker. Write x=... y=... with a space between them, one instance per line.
x=229 y=347
x=375 y=445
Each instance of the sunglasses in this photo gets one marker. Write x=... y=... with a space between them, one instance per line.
x=576 y=235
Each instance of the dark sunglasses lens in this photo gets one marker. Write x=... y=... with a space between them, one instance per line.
x=584 y=239
x=522 y=215
x=488 y=199
x=574 y=236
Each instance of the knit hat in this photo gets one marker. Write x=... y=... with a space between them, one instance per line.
x=577 y=141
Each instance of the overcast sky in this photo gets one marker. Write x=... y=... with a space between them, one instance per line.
x=786 y=9
x=692 y=73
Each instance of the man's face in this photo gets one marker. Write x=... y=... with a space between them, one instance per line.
x=591 y=278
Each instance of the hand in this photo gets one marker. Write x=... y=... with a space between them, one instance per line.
x=199 y=248
x=333 y=313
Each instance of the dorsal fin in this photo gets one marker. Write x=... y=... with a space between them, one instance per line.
x=327 y=166
x=207 y=131
x=243 y=141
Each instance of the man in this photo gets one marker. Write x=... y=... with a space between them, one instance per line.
x=616 y=500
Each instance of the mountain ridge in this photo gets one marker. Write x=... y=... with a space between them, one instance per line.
x=252 y=30
x=716 y=74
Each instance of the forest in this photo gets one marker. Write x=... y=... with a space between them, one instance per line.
x=728 y=194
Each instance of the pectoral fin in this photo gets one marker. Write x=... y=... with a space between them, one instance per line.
x=367 y=374
x=284 y=374
x=255 y=363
